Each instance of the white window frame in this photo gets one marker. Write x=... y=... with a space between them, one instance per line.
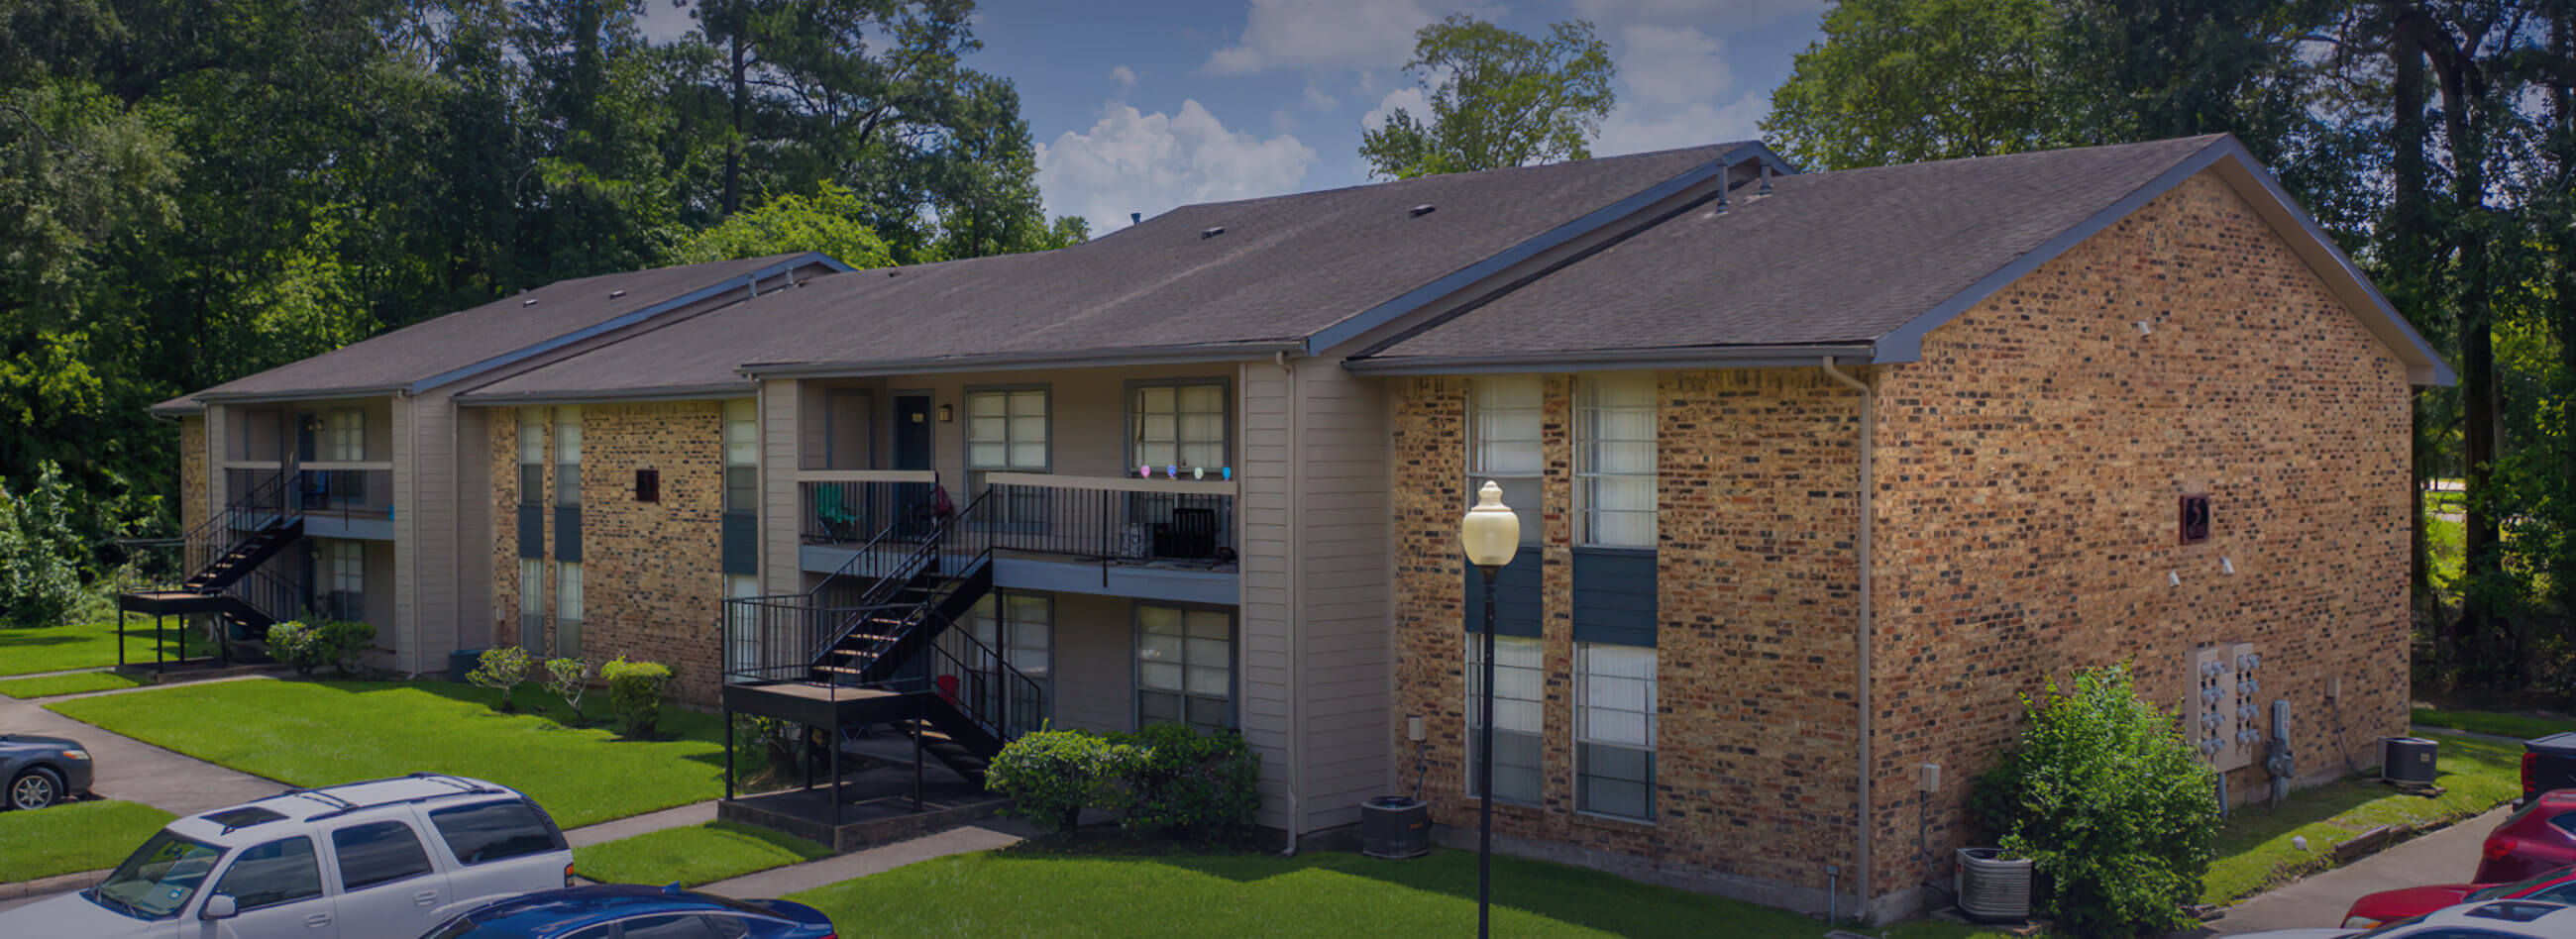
x=1174 y=445
x=1509 y=413
x=1192 y=650
x=1625 y=724
x=532 y=605
x=1025 y=507
x=344 y=573
x=344 y=435
x=1020 y=626
x=1520 y=700
x=532 y=455
x=568 y=609
x=741 y=457
x=1590 y=479
x=568 y=456
x=744 y=649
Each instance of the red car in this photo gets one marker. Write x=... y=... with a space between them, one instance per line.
x=2539 y=837
x=2387 y=906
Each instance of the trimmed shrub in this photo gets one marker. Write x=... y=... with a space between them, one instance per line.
x=293 y=643
x=1055 y=774
x=501 y=669
x=2111 y=805
x=635 y=691
x=569 y=679
x=308 y=647
x=1182 y=783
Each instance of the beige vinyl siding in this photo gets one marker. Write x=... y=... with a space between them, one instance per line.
x=401 y=635
x=475 y=531
x=1095 y=655
x=431 y=631
x=1262 y=629
x=379 y=577
x=1342 y=552
x=780 y=433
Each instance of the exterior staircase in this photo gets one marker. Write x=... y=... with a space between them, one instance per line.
x=222 y=558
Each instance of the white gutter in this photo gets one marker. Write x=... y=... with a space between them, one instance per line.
x=1868 y=484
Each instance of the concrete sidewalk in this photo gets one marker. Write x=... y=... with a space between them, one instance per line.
x=781 y=881
x=2446 y=856
x=134 y=771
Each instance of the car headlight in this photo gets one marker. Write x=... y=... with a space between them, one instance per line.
x=2359 y=922
x=76 y=754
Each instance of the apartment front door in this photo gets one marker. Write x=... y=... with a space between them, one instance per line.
x=912 y=451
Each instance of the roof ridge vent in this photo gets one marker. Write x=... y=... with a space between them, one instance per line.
x=1206 y=233
x=1421 y=210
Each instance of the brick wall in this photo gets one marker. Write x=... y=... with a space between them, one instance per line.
x=1755 y=654
x=2027 y=472
x=194 y=506
x=2029 y=469
x=652 y=578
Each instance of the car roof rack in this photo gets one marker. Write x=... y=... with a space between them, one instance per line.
x=342 y=806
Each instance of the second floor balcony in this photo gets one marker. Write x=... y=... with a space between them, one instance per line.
x=1163 y=538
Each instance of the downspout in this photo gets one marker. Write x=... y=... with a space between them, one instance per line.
x=1868 y=484
x=408 y=573
x=456 y=513
x=1296 y=632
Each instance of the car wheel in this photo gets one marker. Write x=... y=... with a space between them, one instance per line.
x=35 y=789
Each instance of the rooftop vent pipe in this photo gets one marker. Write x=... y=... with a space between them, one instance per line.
x=1135 y=217
x=1211 y=232
x=528 y=302
x=614 y=294
x=1421 y=210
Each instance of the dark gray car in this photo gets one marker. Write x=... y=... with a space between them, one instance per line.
x=40 y=771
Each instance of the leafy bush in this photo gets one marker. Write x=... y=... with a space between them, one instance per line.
x=569 y=679
x=1055 y=774
x=2111 y=805
x=1180 y=782
x=336 y=643
x=501 y=669
x=635 y=691
x=38 y=584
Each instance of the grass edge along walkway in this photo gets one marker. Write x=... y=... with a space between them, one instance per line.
x=693 y=855
x=40 y=649
x=73 y=837
x=54 y=686
x=2254 y=850
x=320 y=733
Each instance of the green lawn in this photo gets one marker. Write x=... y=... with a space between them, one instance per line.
x=1317 y=894
x=63 y=648
x=697 y=854
x=73 y=683
x=73 y=837
x=2517 y=726
x=317 y=733
x=2254 y=850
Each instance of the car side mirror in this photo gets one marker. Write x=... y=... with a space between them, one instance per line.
x=220 y=906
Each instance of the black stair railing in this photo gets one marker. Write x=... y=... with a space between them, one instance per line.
x=954 y=545
x=268 y=502
x=777 y=637
x=981 y=683
x=275 y=598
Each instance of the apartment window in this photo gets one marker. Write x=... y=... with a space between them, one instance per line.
x=568 y=456
x=744 y=650
x=532 y=606
x=1019 y=627
x=344 y=579
x=741 y=458
x=1503 y=418
x=1614 y=730
x=568 y=609
x=1614 y=461
x=1007 y=431
x=344 y=435
x=1518 y=703
x=1184 y=667
x=532 y=456
x=1177 y=425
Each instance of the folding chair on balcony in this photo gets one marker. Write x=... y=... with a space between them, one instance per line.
x=840 y=525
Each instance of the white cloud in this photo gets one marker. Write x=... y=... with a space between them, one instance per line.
x=1135 y=162
x=1317 y=34
x=1317 y=99
x=1124 y=76
x=1733 y=14
x=1635 y=129
x=1671 y=65
x=1411 y=100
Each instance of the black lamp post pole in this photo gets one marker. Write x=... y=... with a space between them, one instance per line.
x=1485 y=769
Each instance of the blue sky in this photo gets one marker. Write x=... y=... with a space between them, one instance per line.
x=1142 y=106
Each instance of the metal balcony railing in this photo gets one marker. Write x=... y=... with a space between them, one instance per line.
x=1114 y=519
x=848 y=507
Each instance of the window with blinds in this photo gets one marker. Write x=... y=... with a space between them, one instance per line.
x=1184 y=667
x=741 y=458
x=1614 y=730
x=1614 y=461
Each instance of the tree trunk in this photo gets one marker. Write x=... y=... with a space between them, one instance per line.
x=733 y=146
x=2409 y=262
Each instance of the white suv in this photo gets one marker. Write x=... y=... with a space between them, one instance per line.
x=392 y=857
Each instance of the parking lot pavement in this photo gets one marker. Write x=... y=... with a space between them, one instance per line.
x=2446 y=856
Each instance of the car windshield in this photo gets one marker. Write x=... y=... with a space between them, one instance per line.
x=2516 y=889
x=157 y=880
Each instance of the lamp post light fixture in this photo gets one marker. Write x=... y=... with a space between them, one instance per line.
x=1490 y=534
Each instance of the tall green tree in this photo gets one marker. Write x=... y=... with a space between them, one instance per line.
x=1497 y=98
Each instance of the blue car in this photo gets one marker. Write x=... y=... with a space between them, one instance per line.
x=628 y=911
